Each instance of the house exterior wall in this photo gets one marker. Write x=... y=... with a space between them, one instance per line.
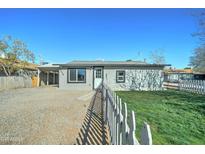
x=136 y=78
x=63 y=81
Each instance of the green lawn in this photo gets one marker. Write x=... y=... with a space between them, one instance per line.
x=175 y=117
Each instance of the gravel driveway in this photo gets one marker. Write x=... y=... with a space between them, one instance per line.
x=42 y=115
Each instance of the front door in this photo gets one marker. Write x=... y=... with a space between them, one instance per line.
x=98 y=76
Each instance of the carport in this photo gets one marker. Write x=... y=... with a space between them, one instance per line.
x=48 y=74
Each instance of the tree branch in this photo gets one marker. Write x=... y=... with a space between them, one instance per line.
x=4 y=68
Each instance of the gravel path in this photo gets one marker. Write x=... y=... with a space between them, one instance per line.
x=42 y=115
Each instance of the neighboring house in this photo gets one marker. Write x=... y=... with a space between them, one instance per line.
x=119 y=75
x=199 y=76
x=175 y=75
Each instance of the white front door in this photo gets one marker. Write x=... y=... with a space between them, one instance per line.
x=98 y=76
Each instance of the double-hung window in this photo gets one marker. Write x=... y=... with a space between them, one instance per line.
x=76 y=75
x=120 y=76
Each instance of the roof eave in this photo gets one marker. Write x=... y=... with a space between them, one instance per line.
x=115 y=65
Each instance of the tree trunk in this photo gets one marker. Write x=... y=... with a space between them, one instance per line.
x=4 y=68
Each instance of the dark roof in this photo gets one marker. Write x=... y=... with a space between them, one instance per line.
x=111 y=63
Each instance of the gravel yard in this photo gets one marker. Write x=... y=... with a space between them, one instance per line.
x=42 y=115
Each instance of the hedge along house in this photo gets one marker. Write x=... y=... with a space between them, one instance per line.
x=118 y=75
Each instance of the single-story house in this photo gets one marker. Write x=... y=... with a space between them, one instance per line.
x=118 y=75
x=175 y=75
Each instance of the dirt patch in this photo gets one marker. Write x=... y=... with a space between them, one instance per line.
x=42 y=115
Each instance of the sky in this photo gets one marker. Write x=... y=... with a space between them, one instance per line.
x=63 y=35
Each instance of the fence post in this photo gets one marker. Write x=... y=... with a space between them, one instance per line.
x=124 y=124
x=179 y=85
x=199 y=86
x=106 y=105
x=197 y=83
x=114 y=120
x=111 y=122
x=120 y=123
x=117 y=119
x=192 y=85
x=110 y=116
x=189 y=83
x=204 y=87
x=182 y=85
x=132 y=138
x=146 y=136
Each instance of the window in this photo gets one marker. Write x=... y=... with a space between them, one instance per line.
x=120 y=76
x=98 y=73
x=73 y=75
x=81 y=74
x=76 y=75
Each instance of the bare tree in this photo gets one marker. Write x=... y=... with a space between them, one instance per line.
x=157 y=56
x=15 y=51
x=197 y=60
x=200 y=26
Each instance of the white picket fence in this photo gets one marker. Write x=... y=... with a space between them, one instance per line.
x=122 y=131
x=196 y=86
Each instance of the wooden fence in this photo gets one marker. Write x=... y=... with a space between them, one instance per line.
x=12 y=82
x=122 y=129
x=170 y=85
x=196 y=86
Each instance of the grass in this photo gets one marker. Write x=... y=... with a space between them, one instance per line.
x=175 y=117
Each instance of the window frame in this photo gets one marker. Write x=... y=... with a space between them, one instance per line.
x=97 y=73
x=118 y=71
x=76 y=81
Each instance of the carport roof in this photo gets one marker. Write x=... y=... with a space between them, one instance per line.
x=49 y=67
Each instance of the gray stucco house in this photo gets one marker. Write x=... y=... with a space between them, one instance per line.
x=118 y=75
